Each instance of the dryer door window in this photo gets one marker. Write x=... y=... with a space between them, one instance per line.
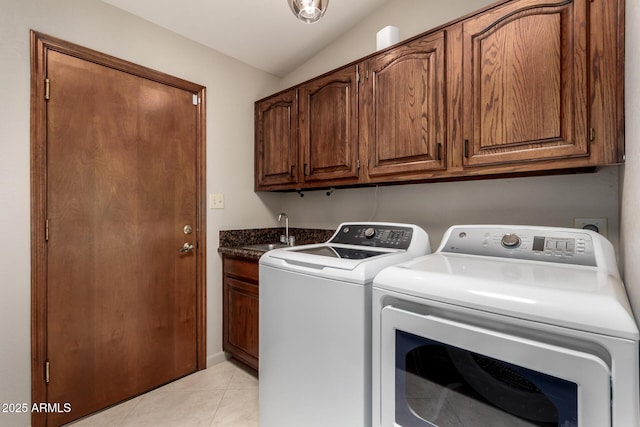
x=446 y=385
x=439 y=372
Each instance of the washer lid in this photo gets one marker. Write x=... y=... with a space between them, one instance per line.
x=339 y=251
x=356 y=252
x=357 y=265
x=577 y=297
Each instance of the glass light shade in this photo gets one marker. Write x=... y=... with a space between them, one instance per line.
x=308 y=11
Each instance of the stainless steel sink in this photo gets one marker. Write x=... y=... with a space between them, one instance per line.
x=265 y=246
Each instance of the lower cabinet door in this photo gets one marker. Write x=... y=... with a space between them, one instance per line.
x=240 y=315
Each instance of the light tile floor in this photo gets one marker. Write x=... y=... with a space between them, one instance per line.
x=224 y=395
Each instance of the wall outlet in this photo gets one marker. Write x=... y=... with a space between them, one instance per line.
x=216 y=201
x=595 y=224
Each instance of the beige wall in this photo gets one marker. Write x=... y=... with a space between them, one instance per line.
x=232 y=87
x=548 y=201
x=630 y=200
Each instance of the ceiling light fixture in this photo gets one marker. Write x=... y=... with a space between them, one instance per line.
x=308 y=11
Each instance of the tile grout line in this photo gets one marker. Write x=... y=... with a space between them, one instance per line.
x=215 y=413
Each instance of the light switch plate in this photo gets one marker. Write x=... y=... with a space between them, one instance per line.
x=216 y=201
x=589 y=223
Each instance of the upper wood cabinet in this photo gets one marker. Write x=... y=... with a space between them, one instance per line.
x=276 y=141
x=525 y=83
x=327 y=126
x=404 y=119
x=521 y=86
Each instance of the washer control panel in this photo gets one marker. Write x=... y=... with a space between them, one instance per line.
x=558 y=245
x=380 y=236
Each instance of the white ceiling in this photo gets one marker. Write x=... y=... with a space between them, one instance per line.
x=261 y=33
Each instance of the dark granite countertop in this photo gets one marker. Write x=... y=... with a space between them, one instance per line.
x=234 y=242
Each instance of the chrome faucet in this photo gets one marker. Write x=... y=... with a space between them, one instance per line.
x=286 y=238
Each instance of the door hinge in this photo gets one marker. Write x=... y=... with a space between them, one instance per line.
x=592 y=134
x=46 y=230
x=196 y=100
x=46 y=371
x=47 y=88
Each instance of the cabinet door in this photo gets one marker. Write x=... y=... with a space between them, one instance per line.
x=405 y=122
x=240 y=309
x=241 y=299
x=328 y=128
x=276 y=142
x=525 y=83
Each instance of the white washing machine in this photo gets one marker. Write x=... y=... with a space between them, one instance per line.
x=315 y=324
x=506 y=326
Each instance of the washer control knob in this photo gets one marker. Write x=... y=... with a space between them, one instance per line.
x=511 y=241
x=369 y=232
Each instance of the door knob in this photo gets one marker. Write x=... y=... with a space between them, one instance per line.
x=188 y=247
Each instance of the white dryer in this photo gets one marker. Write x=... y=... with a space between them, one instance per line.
x=506 y=325
x=315 y=324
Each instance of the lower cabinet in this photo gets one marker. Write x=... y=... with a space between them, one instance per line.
x=240 y=309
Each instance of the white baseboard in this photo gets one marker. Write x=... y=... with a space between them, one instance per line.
x=216 y=358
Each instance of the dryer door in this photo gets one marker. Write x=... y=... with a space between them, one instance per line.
x=440 y=372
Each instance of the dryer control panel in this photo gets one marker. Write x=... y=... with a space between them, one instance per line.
x=557 y=245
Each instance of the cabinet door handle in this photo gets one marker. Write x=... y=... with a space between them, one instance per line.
x=439 y=151
x=305 y=170
x=466 y=148
x=291 y=170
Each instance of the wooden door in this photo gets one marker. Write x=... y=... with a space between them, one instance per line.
x=406 y=121
x=525 y=83
x=122 y=180
x=276 y=141
x=328 y=126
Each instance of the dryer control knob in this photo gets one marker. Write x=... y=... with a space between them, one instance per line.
x=369 y=232
x=511 y=241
